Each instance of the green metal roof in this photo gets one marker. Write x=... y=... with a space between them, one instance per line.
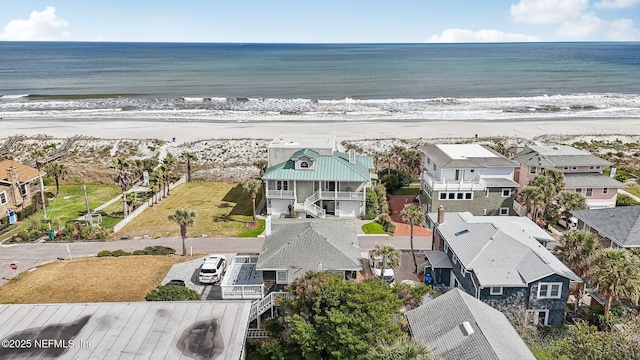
x=304 y=152
x=335 y=167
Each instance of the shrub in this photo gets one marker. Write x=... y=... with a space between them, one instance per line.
x=387 y=224
x=372 y=205
x=118 y=253
x=159 y=250
x=104 y=253
x=139 y=252
x=172 y=293
x=625 y=200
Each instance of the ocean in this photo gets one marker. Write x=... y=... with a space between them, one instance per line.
x=338 y=82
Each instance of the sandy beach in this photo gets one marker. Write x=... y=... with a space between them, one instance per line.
x=351 y=130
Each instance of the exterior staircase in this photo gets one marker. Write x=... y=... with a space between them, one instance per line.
x=311 y=208
x=260 y=307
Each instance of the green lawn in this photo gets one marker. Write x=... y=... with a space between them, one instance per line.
x=373 y=228
x=223 y=209
x=412 y=189
x=633 y=189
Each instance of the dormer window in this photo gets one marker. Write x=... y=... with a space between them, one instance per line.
x=304 y=165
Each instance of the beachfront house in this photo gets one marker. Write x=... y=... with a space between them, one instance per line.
x=615 y=227
x=291 y=248
x=16 y=182
x=582 y=172
x=457 y=326
x=501 y=261
x=467 y=177
x=310 y=176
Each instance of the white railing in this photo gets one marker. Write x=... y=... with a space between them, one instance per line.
x=242 y=291
x=257 y=334
x=311 y=208
x=342 y=195
x=259 y=307
x=285 y=194
x=477 y=185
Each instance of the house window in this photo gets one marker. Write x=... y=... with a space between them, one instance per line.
x=434 y=166
x=428 y=160
x=24 y=189
x=589 y=192
x=586 y=227
x=281 y=277
x=605 y=191
x=463 y=271
x=304 y=165
x=495 y=290
x=574 y=168
x=578 y=190
x=452 y=196
x=537 y=317
x=457 y=174
x=468 y=196
x=459 y=196
x=532 y=169
x=565 y=168
x=549 y=290
x=455 y=259
x=443 y=196
x=592 y=167
x=506 y=192
x=504 y=211
x=3 y=198
x=282 y=185
x=446 y=247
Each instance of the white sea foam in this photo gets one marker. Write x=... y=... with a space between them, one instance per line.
x=11 y=97
x=348 y=109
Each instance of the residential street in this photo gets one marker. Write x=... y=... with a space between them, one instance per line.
x=27 y=256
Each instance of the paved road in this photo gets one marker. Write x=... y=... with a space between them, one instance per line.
x=30 y=255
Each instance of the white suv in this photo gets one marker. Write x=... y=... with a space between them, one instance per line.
x=212 y=269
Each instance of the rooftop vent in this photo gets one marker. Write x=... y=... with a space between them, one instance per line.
x=467 y=329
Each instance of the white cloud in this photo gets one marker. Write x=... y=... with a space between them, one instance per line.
x=616 y=4
x=589 y=25
x=547 y=11
x=463 y=35
x=40 y=26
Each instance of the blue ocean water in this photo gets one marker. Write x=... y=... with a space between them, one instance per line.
x=209 y=82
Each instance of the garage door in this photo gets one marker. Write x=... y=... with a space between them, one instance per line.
x=280 y=207
x=349 y=208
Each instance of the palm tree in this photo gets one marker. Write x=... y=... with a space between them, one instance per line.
x=253 y=186
x=58 y=171
x=534 y=199
x=163 y=172
x=189 y=156
x=386 y=254
x=570 y=200
x=156 y=178
x=38 y=154
x=262 y=165
x=123 y=179
x=615 y=274
x=167 y=162
x=184 y=218
x=577 y=249
x=412 y=214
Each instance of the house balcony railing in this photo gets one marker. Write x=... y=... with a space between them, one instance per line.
x=341 y=195
x=454 y=185
x=280 y=194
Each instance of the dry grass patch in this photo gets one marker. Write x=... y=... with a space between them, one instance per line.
x=127 y=278
x=223 y=210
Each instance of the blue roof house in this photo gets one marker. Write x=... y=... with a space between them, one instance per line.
x=309 y=176
x=501 y=261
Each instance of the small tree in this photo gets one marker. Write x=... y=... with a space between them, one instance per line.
x=123 y=179
x=57 y=171
x=189 y=156
x=387 y=255
x=168 y=163
x=262 y=165
x=413 y=214
x=616 y=274
x=184 y=218
x=371 y=204
x=253 y=187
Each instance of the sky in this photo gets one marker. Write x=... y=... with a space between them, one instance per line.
x=324 y=21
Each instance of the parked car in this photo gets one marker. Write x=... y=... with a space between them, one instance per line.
x=212 y=269
x=375 y=262
x=175 y=282
x=568 y=223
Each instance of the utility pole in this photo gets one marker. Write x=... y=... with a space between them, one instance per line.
x=86 y=201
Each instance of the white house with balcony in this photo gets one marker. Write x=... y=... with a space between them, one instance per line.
x=309 y=175
x=467 y=177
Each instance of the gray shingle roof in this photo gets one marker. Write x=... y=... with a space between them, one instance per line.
x=621 y=224
x=591 y=180
x=559 y=155
x=335 y=167
x=445 y=156
x=501 y=250
x=438 y=324
x=303 y=246
x=501 y=183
